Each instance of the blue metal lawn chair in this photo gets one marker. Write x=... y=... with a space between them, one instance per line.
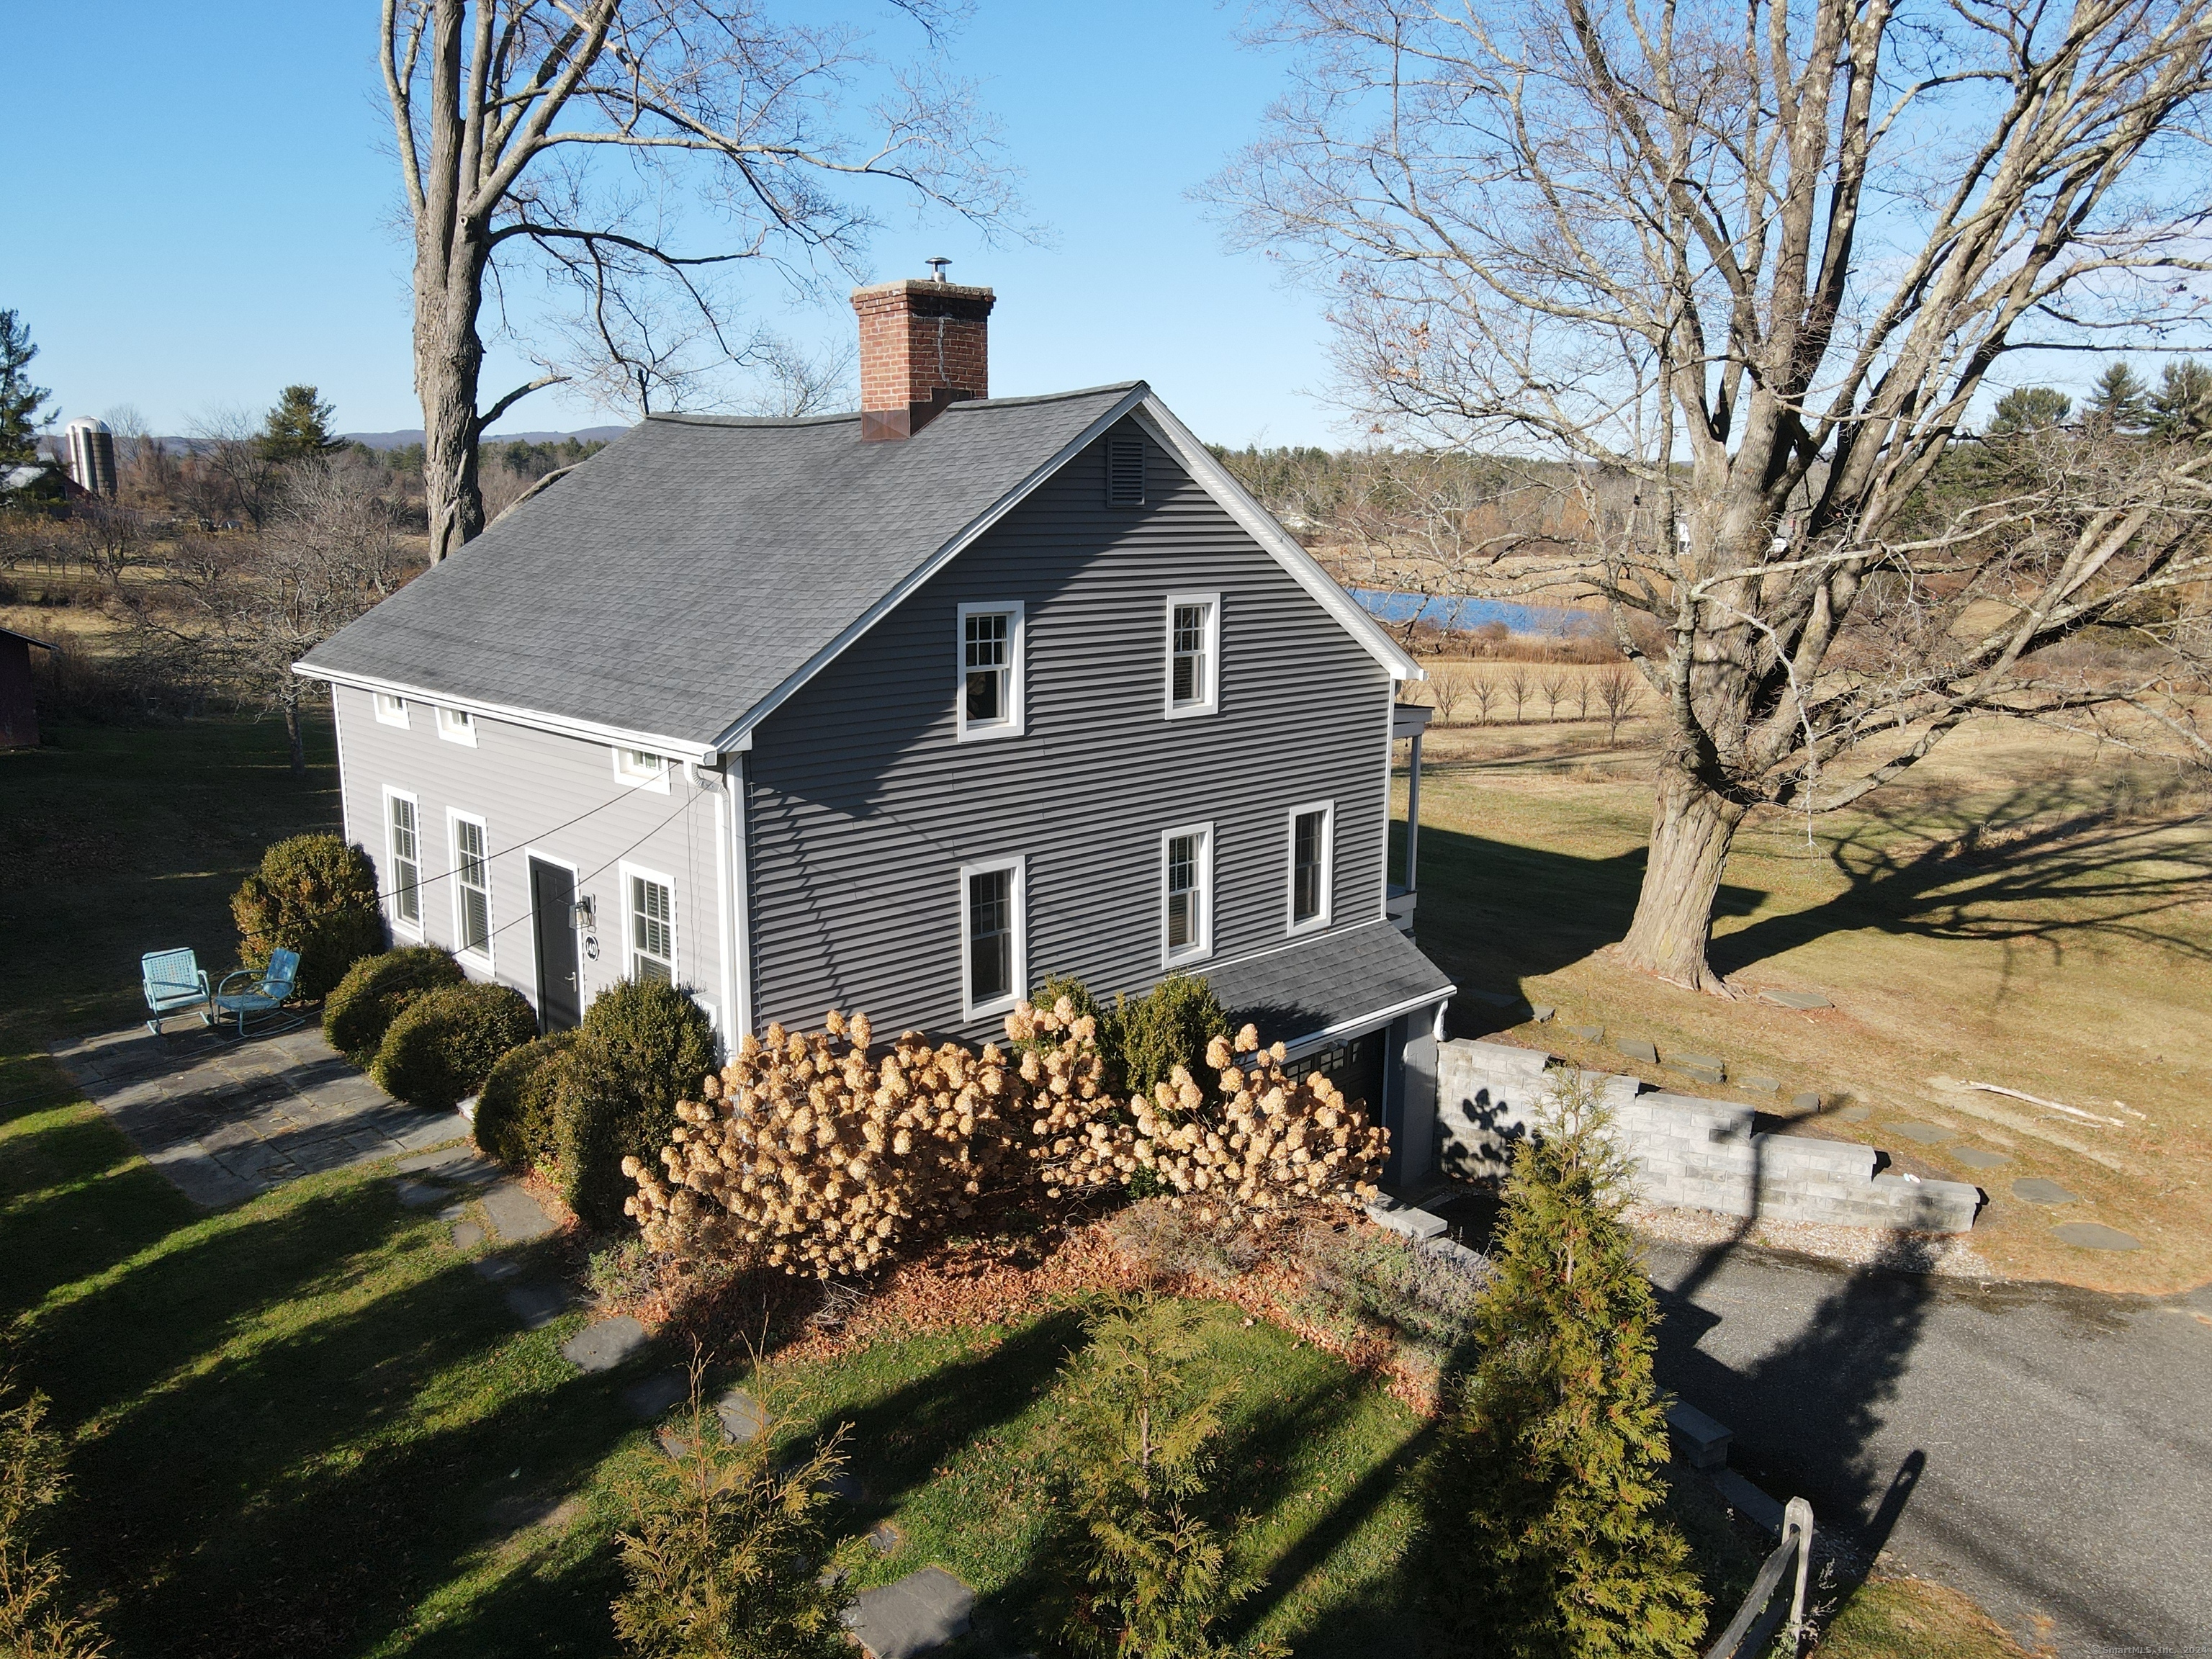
x=174 y=979
x=259 y=991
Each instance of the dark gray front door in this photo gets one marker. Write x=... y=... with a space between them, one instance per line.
x=560 y=997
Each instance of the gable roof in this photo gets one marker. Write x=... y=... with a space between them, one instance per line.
x=682 y=583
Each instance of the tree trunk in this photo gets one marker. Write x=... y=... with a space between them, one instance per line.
x=1691 y=830
x=448 y=363
x=292 y=732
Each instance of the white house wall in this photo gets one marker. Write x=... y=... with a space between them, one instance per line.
x=540 y=793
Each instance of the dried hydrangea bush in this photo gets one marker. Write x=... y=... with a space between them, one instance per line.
x=814 y=1152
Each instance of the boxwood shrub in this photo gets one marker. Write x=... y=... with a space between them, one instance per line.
x=315 y=895
x=1166 y=1027
x=515 y=1109
x=642 y=1047
x=375 y=991
x=446 y=1042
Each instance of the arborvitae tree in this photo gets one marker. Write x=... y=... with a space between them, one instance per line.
x=2119 y=403
x=725 y=1549
x=2029 y=409
x=19 y=419
x=1140 y=1575
x=1561 y=1434
x=2181 y=408
x=299 y=426
x=34 y=1623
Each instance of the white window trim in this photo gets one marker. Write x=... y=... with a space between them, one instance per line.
x=629 y=918
x=1204 y=949
x=1312 y=924
x=626 y=771
x=969 y=1009
x=1017 y=671
x=400 y=926
x=391 y=709
x=457 y=725
x=454 y=818
x=1211 y=703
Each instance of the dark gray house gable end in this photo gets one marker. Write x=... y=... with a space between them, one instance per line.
x=864 y=805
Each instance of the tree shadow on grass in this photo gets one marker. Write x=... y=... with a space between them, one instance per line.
x=313 y=1490
x=2050 y=864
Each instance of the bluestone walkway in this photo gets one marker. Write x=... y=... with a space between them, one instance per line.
x=226 y=1119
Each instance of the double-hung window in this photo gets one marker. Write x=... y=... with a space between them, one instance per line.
x=652 y=926
x=1194 y=655
x=994 y=949
x=990 y=654
x=1312 y=859
x=1187 y=893
x=403 y=846
x=471 y=888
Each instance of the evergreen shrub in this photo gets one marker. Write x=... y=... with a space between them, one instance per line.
x=375 y=991
x=444 y=1044
x=1170 y=1025
x=1564 y=1549
x=643 y=1047
x=315 y=895
x=515 y=1108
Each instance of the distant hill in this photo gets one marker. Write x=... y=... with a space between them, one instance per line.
x=605 y=435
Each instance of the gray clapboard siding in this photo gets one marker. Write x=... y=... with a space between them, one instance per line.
x=553 y=794
x=863 y=806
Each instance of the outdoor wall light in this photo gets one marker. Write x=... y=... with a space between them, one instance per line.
x=581 y=916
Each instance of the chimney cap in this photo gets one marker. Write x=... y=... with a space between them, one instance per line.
x=937 y=268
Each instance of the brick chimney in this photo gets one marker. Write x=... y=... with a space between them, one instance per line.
x=923 y=344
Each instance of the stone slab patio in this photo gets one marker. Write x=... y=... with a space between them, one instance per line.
x=226 y=1119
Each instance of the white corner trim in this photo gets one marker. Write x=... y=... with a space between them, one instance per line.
x=969 y=1009
x=1218 y=482
x=1017 y=672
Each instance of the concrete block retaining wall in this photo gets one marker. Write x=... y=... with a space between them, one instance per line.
x=1689 y=1153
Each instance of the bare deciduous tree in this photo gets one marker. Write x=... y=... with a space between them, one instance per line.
x=1554 y=687
x=1741 y=272
x=511 y=116
x=1444 y=689
x=1516 y=684
x=1618 y=693
x=1484 y=690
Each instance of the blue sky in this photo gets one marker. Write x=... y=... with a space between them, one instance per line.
x=212 y=215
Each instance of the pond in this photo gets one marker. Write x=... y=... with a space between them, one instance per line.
x=1462 y=616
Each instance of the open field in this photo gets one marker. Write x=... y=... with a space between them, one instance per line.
x=2022 y=911
x=303 y=1425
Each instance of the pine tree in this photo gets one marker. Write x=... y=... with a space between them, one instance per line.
x=299 y=428
x=34 y=1623
x=2181 y=408
x=1141 y=1577
x=2029 y=409
x=1560 y=1435
x=725 y=1550
x=19 y=419
x=2119 y=402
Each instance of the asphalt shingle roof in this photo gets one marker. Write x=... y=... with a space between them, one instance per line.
x=684 y=572
x=1327 y=980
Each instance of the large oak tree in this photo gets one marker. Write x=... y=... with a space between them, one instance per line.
x=1729 y=279
x=583 y=140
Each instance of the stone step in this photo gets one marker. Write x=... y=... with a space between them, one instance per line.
x=1698 y=1440
x=515 y=1216
x=913 y=1615
x=605 y=1345
x=1416 y=1225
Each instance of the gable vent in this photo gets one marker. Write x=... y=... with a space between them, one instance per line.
x=1125 y=470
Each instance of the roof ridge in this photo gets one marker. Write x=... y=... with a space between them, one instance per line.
x=680 y=417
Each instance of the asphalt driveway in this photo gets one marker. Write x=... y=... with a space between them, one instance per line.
x=2046 y=1449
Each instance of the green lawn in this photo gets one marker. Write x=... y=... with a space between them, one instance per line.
x=303 y=1426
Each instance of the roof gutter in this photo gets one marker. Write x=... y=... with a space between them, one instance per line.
x=658 y=743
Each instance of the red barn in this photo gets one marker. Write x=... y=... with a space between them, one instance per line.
x=19 y=718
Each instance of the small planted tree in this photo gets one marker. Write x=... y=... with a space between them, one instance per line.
x=1517 y=686
x=1141 y=1573
x=724 y=1549
x=1617 y=695
x=1555 y=692
x=1561 y=1434
x=1484 y=690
